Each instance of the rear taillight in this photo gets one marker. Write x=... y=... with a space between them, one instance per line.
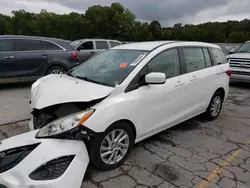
x=229 y=73
x=74 y=54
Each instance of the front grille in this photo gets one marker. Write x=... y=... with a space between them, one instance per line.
x=241 y=73
x=242 y=63
x=10 y=158
x=53 y=169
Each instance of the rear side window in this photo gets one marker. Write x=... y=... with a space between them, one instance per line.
x=50 y=46
x=207 y=58
x=218 y=56
x=194 y=59
x=29 y=45
x=6 y=45
x=113 y=44
x=101 y=45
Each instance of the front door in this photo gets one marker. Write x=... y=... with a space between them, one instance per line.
x=165 y=104
x=8 y=65
x=85 y=50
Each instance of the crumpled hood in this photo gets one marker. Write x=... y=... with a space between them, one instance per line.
x=239 y=55
x=55 y=89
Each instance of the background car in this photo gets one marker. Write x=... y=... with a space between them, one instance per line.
x=239 y=61
x=88 y=47
x=26 y=58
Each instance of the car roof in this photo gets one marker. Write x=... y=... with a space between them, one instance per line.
x=61 y=42
x=94 y=39
x=32 y=37
x=149 y=46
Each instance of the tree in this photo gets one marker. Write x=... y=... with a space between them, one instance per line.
x=156 y=30
x=117 y=22
x=236 y=37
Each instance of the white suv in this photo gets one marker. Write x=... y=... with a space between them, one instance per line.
x=128 y=93
x=240 y=63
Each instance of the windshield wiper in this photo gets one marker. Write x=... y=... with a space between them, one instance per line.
x=93 y=81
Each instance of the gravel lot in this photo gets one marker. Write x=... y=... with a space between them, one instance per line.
x=196 y=153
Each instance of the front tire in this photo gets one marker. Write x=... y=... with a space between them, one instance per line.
x=214 y=107
x=110 y=149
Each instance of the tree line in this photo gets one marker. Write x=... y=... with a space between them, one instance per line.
x=117 y=22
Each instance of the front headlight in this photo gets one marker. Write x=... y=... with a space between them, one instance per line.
x=64 y=124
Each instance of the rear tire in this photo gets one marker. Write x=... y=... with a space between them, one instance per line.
x=110 y=149
x=214 y=107
x=55 y=70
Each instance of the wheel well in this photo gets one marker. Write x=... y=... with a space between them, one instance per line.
x=56 y=65
x=130 y=123
x=222 y=91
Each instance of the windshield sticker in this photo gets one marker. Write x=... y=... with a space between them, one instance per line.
x=123 y=65
x=138 y=59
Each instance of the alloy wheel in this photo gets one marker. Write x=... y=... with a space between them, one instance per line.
x=216 y=106
x=114 y=146
x=56 y=71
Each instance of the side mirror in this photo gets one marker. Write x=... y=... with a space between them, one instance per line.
x=232 y=51
x=80 y=48
x=155 y=78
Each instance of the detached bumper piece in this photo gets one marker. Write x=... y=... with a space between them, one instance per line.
x=27 y=162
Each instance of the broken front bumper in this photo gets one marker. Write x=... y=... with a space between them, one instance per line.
x=42 y=163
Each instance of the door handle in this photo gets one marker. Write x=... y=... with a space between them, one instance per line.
x=9 y=57
x=44 y=55
x=193 y=78
x=179 y=83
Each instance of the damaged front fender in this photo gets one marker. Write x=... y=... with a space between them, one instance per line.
x=42 y=163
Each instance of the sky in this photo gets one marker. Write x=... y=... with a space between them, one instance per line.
x=167 y=12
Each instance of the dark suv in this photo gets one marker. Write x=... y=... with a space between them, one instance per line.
x=26 y=58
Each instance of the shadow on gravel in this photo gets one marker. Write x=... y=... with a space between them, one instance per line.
x=240 y=85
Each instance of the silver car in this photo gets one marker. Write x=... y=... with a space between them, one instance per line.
x=88 y=47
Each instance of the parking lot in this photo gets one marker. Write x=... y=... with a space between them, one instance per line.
x=196 y=153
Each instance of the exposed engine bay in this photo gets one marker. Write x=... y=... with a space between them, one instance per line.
x=51 y=113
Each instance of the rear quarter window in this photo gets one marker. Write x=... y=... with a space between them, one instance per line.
x=218 y=56
x=50 y=46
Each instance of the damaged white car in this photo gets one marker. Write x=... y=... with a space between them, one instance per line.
x=102 y=107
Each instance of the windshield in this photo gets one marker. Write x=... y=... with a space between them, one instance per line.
x=110 y=67
x=244 y=48
x=75 y=43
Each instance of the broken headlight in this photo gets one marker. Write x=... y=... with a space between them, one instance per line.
x=64 y=124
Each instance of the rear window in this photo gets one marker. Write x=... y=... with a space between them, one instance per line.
x=6 y=45
x=75 y=43
x=29 y=45
x=218 y=56
x=101 y=45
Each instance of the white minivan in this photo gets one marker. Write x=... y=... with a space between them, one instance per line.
x=128 y=93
